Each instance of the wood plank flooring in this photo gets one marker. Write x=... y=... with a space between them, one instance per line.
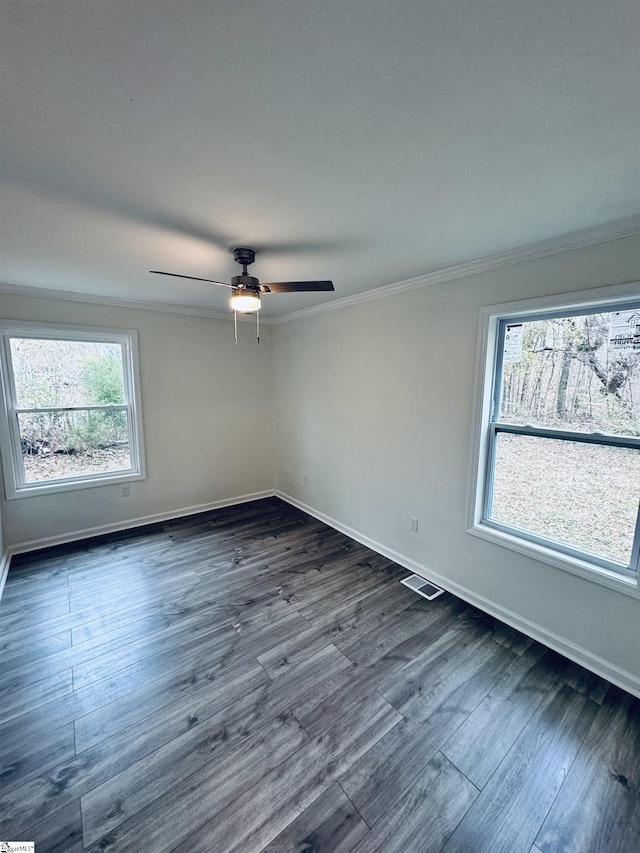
x=251 y=680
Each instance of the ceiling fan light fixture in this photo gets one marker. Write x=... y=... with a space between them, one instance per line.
x=245 y=303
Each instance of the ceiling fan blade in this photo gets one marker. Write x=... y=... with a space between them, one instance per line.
x=192 y=278
x=295 y=286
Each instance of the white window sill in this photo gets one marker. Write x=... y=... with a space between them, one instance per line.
x=582 y=568
x=39 y=489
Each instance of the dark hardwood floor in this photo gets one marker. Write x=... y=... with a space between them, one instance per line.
x=250 y=679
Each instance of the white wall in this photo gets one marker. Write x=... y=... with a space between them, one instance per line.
x=375 y=403
x=207 y=412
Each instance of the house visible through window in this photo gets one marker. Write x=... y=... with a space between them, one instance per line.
x=561 y=439
x=72 y=417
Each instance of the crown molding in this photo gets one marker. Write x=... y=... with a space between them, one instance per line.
x=119 y=302
x=530 y=252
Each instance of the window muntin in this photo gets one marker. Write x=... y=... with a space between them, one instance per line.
x=71 y=407
x=564 y=435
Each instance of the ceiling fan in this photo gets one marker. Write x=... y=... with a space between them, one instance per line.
x=247 y=289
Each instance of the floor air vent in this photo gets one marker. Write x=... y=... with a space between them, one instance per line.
x=423 y=587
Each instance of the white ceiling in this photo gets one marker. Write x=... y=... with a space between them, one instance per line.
x=367 y=142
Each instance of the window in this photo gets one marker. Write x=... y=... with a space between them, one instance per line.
x=559 y=448
x=71 y=405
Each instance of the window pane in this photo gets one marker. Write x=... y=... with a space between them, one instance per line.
x=59 y=445
x=577 y=373
x=582 y=495
x=66 y=373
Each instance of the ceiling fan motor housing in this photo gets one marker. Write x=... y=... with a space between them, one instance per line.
x=245 y=282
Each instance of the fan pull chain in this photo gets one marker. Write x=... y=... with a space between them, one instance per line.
x=258 y=325
x=235 y=325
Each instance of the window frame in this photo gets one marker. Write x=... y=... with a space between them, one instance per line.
x=486 y=428
x=15 y=484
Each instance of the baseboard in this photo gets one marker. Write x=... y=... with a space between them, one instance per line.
x=90 y=532
x=626 y=680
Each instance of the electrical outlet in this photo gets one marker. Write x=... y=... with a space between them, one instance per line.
x=124 y=492
x=305 y=478
x=413 y=524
